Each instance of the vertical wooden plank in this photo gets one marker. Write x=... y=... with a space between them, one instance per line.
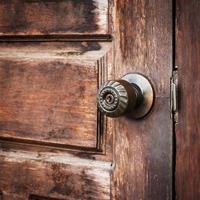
x=143 y=148
x=188 y=128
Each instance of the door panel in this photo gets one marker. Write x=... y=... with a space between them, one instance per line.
x=24 y=176
x=41 y=17
x=50 y=101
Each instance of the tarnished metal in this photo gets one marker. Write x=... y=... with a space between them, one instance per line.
x=174 y=96
x=132 y=96
x=147 y=92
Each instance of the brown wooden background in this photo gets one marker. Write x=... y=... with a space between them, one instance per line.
x=188 y=128
x=143 y=41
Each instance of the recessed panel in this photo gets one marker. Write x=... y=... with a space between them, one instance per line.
x=52 y=17
x=33 y=178
x=48 y=101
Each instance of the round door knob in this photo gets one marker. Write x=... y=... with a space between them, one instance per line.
x=132 y=95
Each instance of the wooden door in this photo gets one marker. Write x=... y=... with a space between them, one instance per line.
x=188 y=126
x=54 y=142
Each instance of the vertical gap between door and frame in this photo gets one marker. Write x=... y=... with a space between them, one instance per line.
x=173 y=120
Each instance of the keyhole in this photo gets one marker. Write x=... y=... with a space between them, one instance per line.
x=110 y=99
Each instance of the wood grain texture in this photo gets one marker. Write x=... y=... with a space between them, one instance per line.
x=83 y=55
x=41 y=17
x=188 y=127
x=25 y=174
x=143 y=148
x=48 y=93
x=87 y=53
x=142 y=162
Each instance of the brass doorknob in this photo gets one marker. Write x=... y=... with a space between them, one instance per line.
x=131 y=95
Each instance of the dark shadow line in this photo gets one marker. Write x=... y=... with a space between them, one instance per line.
x=36 y=197
x=56 y=38
x=49 y=144
x=173 y=125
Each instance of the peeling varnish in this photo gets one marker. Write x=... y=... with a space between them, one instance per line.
x=62 y=158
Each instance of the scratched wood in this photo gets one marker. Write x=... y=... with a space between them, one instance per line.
x=25 y=176
x=48 y=93
x=143 y=148
x=188 y=127
x=41 y=17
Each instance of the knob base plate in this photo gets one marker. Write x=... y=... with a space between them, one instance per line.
x=147 y=92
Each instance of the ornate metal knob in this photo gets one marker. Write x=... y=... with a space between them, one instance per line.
x=131 y=95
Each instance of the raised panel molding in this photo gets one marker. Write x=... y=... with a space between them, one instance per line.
x=49 y=94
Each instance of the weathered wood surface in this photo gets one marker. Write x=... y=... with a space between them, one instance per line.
x=143 y=148
x=48 y=93
x=59 y=177
x=87 y=53
x=142 y=160
x=41 y=17
x=188 y=127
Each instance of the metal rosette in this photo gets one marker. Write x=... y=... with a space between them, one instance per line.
x=113 y=98
x=147 y=92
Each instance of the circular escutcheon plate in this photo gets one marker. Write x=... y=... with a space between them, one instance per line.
x=147 y=92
